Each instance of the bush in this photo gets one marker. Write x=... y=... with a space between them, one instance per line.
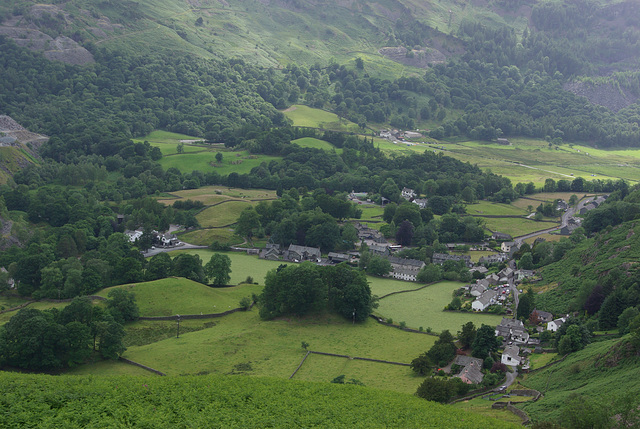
x=245 y=303
x=249 y=280
x=220 y=247
x=403 y=325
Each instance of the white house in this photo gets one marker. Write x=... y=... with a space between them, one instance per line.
x=408 y=193
x=510 y=356
x=506 y=246
x=485 y=300
x=134 y=235
x=554 y=325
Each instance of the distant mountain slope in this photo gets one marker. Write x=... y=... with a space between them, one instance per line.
x=606 y=259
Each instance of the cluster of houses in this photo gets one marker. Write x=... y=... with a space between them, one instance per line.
x=517 y=346
x=516 y=340
x=494 y=288
x=158 y=238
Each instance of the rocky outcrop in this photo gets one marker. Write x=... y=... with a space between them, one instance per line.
x=422 y=58
x=605 y=94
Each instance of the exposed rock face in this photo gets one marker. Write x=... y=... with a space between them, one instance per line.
x=27 y=34
x=603 y=94
x=422 y=58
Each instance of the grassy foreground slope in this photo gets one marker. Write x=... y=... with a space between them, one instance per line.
x=602 y=371
x=210 y=401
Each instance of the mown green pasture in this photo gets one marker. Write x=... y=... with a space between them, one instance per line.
x=31 y=400
x=273 y=348
x=517 y=226
x=204 y=237
x=314 y=143
x=530 y=160
x=242 y=265
x=373 y=374
x=544 y=197
x=223 y=214
x=423 y=308
x=547 y=237
x=233 y=162
x=305 y=116
x=168 y=142
x=370 y=212
x=210 y=195
x=170 y=296
x=489 y=208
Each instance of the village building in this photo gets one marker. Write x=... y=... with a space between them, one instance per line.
x=539 y=316
x=511 y=356
x=337 y=258
x=520 y=275
x=495 y=258
x=271 y=252
x=501 y=236
x=471 y=373
x=493 y=279
x=408 y=194
x=441 y=258
x=508 y=246
x=134 y=235
x=478 y=289
x=379 y=250
x=297 y=253
x=421 y=202
x=481 y=269
x=503 y=141
x=554 y=325
x=487 y=299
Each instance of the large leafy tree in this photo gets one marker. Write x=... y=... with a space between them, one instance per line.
x=122 y=305
x=218 y=269
x=349 y=293
x=467 y=335
x=294 y=289
x=248 y=223
x=485 y=342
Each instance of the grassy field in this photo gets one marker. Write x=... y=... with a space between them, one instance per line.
x=325 y=368
x=529 y=160
x=214 y=194
x=273 y=348
x=171 y=296
x=517 y=226
x=424 y=307
x=233 y=162
x=204 y=237
x=304 y=116
x=489 y=208
x=223 y=214
x=483 y=407
x=370 y=212
x=242 y=265
x=548 y=237
x=314 y=143
x=168 y=142
x=541 y=359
